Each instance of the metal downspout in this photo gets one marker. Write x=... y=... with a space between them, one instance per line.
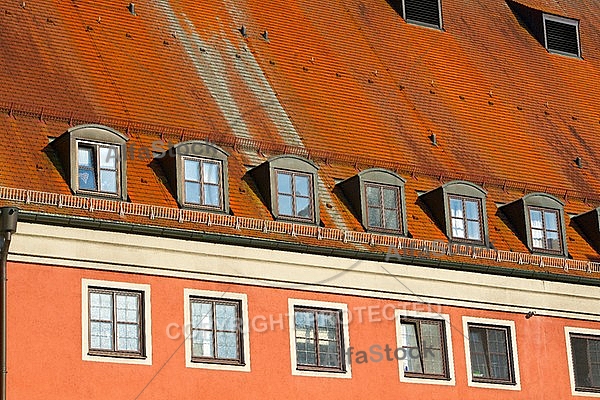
x=8 y=226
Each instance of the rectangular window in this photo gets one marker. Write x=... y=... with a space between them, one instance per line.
x=545 y=233
x=216 y=331
x=561 y=35
x=294 y=195
x=426 y=12
x=425 y=348
x=491 y=359
x=203 y=183
x=383 y=207
x=318 y=340
x=98 y=167
x=466 y=219
x=585 y=356
x=115 y=322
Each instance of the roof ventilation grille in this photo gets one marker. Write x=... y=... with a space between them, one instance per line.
x=562 y=35
x=131 y=8
x=426 y=12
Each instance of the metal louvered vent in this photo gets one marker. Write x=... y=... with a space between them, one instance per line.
x=562 y=35
x=423 y=12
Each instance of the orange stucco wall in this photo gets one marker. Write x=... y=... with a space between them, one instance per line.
x=45 y=362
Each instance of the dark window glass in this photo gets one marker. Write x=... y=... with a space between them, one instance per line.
x=116 y=326
x=491 y=356
x=586 y=362
x=216 y=331
x=318 y=339
x=425 y=349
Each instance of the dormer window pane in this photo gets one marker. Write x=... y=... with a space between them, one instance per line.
x=383 y=208
x=294 y=195
x=465 y=215
x=87 y=174
x=544 y=229
x=202 y=182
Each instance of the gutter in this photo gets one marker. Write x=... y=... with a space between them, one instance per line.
x=8 y=226
x=246 y=241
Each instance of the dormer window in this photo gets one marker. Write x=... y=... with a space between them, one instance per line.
x=377 y=199
x=94 y=158
x=561 y=35
x=294 y=197
x=538 y=220
x=420 y=12
x=202 y=182
x=288 y=185
x=197 y=172
x=98 y=167
x=466 y=218
x=545 y=233
x=459 y=209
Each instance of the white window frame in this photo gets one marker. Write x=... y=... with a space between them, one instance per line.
x=243 y=299
x=513 y=343
x=85 y=318
x=399 y=314
x=292 y=303
x=419 y=23
x=566 y=21
x=581 y=331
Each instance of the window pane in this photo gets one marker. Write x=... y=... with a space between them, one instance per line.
x=108 y=157
x=479 y=367
x=303 y=207
x=226 y=317
x=101 y=306
x=390 y=198
x=191 y=170
x=409 y=341
x=473 y=230
x=127 y=308
x=433 y=362
x=212 y=195
x=472 y=208
x=373 y=196
x=552 y=241
x=192 y=192
x=284 y=203
x=328 y=353
x=374 y=215
x=87 y=179
x=302 y=185
x=458 y=228
x=108 y=181
x=284 y=183
x=551 y=221
x=202 y=343
x=202 y=315
x=456 y=210
x=101 y=335
x=227 y=346
x=537 y=236
x=536 y=219
x=306 y=351
x=305 y=323
x=391 y=219
x=127 y=337
x=85 y=157
x=210 y=173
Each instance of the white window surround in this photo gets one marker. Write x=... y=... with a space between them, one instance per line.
x=346 y=337
x=566 y=21
x=513 y=343
x=243 y=298
x=147 y=321
x=582 y=331
x=450 y=356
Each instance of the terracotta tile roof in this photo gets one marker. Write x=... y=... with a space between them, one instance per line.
x=350 y=85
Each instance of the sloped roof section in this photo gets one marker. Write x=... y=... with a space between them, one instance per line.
x=349 y=85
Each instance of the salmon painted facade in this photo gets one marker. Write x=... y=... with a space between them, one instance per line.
x=371 y=199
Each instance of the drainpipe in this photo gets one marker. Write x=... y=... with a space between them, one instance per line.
x=8 y=226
